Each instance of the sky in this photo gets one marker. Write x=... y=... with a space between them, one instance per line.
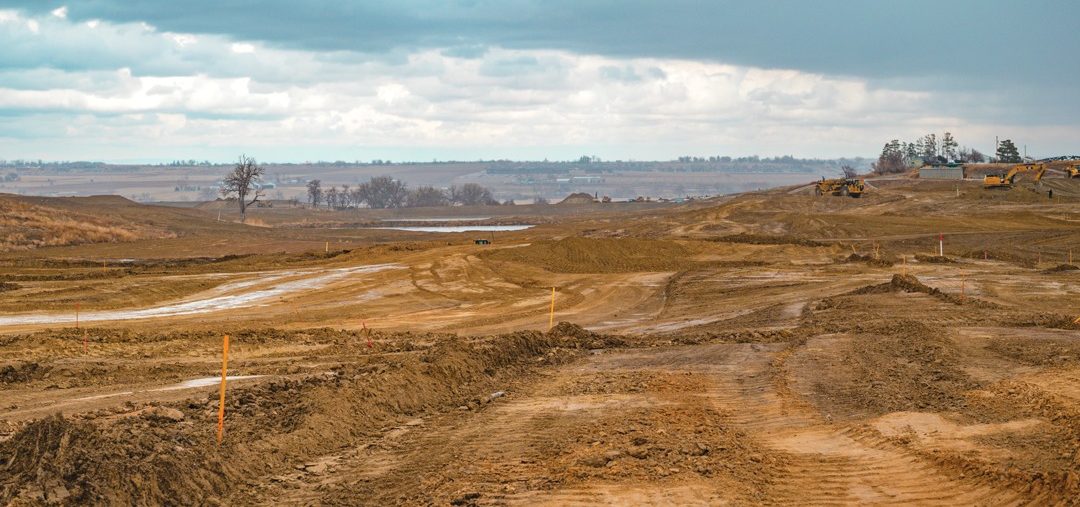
x=290 y=81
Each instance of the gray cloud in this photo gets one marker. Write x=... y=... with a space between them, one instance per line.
x=998 y=38
x=643 y=76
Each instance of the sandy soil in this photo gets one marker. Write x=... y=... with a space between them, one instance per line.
x=771 y=348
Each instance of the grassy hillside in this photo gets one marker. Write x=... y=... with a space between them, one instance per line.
x=32 y=222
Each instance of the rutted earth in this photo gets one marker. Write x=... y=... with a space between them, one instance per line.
x=755 y=369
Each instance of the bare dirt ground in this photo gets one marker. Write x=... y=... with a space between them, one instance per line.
x=772 y=348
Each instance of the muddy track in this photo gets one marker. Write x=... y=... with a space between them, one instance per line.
x=568 y=436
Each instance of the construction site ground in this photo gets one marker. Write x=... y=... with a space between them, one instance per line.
x=766 y=348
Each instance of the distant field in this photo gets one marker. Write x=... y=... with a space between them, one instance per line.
x=509 y=181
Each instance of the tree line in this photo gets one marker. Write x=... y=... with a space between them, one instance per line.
x=386 y=192
x=898 y=156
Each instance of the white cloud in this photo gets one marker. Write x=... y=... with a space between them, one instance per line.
x=33 y=26
x=60 y=12
x=183 y=39
x=130 y=83
x=242 y=48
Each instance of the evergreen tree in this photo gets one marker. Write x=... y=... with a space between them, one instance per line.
x=1007 y=152
x=930 y=148
x=948 y=147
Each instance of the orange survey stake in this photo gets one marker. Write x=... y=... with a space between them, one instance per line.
x=221 y=401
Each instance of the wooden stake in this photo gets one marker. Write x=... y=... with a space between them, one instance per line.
x=551 y=318
x=76 y=315
x=84 y=342
x=221 y=400
x=326 y=249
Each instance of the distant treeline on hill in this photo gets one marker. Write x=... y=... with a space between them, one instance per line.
x=587 y=164
x=687 y=164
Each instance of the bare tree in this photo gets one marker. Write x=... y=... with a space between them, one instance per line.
x=345 y=196
x=314 y=192
x=243 y=181
x=471 y=194
x=384 y=192
x=427 y=196
x=331 y=197
x=849 y=172
x=359 y=194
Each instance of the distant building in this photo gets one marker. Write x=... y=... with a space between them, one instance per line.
x=942 y=172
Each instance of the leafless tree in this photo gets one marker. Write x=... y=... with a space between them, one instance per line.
x=358 y=195
x=849 y=172
x=427 y=196
x=242 y=182
x=471 y=194
x=384 y=192
x=331 y=197
x=345 y=196
x=314 y=192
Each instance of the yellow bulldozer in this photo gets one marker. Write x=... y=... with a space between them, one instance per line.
x=1006 y=180
x=840 y=186
x=1072 y=171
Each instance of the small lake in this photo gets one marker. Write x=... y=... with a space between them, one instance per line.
x=458 y=228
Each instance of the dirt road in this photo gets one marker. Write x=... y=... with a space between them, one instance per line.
x=700 y=425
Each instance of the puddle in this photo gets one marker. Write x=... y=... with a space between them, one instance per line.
x=211 y=304
x=204 y=381
x=457 y=228
x=449 y=219
x=100 y=396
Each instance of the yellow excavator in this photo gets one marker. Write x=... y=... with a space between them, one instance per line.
x=840 y=186
x=1006 y=180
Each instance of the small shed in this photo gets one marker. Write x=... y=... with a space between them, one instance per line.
x=940 y=172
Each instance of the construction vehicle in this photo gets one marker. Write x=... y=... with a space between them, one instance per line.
x=840 y=186
x=1072 y=171
x=1006 y=180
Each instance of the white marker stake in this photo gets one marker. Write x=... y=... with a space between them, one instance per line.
x=941 y=245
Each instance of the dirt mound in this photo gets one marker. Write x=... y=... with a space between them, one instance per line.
x=869 y=259
x=760 y=239
x=895 y=366
x=1056 y=269
x=575 y=336
x=934 y=259
x=147 y=455
x=578 y=198
x=598 y=255
x=6 y=286
x=909 y=283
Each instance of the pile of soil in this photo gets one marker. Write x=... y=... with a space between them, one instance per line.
x=761 y=239
x=869 y=259
x=578 y=198
x=167 y=453
x=1062 y=267
x=934 y=259
x=6 y=286
x=909 y=283
x=894 y=366
x=598 y=255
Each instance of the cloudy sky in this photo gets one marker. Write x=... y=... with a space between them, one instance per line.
x=131 y=80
